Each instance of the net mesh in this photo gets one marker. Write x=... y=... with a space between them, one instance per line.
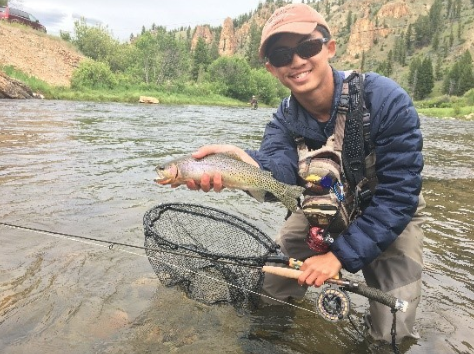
x=213 y=256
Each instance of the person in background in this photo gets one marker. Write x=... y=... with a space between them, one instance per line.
x=254 y=102
x=384 y=239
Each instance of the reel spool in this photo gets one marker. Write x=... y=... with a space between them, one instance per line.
x=333 y=304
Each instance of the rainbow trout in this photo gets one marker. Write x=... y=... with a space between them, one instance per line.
x=236 y=174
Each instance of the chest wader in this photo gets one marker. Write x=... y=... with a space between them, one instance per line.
x=339 y=177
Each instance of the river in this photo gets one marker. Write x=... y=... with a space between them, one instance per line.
x=87 y=169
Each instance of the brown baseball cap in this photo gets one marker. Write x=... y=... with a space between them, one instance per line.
x=292 y=18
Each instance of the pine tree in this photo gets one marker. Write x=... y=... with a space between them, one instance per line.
x=349 y=21
x=466 y=79
x=201 y=59
x=254 y=43
x=413 y=73
x=438 y=73
x=460 y=78
x=425 y=80
x=408 y=39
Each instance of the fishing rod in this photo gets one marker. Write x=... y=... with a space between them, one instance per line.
x=325 y=307
x=111 y=245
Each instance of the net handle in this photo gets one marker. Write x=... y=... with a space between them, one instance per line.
x=361 y=289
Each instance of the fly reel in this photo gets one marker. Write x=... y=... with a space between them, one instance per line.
x=333 y=304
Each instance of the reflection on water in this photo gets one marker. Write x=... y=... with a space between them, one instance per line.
x=86 y=169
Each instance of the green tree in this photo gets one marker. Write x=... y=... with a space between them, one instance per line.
x=65 y=35
x=451 y=37
x=232 y=74
x=435 y=41
x=460 y=78
x=399 y=52
x=422 y=31
x=94 y=42
x=172 y=61
x=438 y=72
x=349 y=21
x=93 y=75
x=408 y=38
x=427 y=27
x=147 y=53
x=415 y=64
x=435 y=16
x=201 y=59
x=251 y=53
x=385 y=68
x=268 y=89
x=425 y=80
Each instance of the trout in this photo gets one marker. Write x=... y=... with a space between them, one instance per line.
x=236 y=174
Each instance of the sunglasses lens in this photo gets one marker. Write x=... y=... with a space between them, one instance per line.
x=309 y=49
x=305 y=50
x=281 y=57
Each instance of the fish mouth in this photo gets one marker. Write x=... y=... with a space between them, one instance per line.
x=166 y=174
x=159 y=180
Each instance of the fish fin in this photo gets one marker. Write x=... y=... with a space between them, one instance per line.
x=258 y=194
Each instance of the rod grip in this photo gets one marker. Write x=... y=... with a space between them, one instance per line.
x=361 y=289
x=284 y=272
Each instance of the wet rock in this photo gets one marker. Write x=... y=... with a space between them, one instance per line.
x=145 y=99
x=11 y=88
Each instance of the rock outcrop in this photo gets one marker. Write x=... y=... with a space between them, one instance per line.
x=227 y=41
x=203 y=32
x=11 y=88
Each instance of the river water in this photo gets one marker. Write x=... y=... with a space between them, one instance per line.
x=87 y=169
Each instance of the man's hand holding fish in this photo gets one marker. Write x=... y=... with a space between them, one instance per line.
x=215 y=182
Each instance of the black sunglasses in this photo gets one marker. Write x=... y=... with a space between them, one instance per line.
x=305 y=50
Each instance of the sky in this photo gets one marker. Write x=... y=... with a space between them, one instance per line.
x=124 y=17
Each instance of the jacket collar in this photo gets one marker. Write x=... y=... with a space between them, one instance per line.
x=304 y=123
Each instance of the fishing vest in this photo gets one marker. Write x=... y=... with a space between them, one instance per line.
x=339 y=177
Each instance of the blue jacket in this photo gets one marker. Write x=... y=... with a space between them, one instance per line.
x=395 y=133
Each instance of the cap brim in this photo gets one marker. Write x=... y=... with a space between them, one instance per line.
x=294 y=27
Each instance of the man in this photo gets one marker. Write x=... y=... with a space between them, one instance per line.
x=384 y=239
x=254 y=102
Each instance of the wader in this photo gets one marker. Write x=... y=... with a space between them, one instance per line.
x=396 y=271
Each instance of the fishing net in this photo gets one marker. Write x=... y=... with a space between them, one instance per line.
x=213 y=256
x=216 y=257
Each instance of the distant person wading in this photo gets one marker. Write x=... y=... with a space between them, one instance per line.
x=254 y=102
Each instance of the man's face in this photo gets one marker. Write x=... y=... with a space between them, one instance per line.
x=301 y=75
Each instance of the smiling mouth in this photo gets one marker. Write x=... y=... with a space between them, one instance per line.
x=300 y=75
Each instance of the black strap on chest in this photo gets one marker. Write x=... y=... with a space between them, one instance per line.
x=356 y=143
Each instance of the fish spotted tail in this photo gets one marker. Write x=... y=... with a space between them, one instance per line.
x=290 y=196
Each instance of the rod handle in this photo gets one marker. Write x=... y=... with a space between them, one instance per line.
x=361 y=289
x=284 y=272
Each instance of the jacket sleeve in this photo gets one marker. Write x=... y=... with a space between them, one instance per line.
x=395 y=131
x=277 y=151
